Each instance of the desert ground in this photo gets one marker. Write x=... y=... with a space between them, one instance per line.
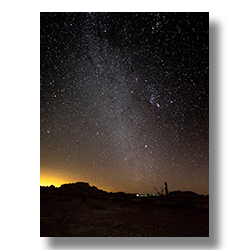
x=111 y=215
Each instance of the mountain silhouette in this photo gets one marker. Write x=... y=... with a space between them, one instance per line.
x=73 y=189
x=183 y=194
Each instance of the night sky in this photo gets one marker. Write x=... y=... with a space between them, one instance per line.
x=125 y=100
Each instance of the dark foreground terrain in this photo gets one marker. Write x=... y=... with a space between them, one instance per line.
x=121 y=215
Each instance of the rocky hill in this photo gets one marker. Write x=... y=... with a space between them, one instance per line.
x=186 y=194
x=73 y=189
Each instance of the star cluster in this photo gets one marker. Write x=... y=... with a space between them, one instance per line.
x=125 y=100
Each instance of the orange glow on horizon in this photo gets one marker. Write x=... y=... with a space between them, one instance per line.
x=51 y=180
x=57 y=179
x=49 y=177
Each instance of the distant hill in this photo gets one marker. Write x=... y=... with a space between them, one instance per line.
x=183 y=194
x=83 y=188
x=73 y=189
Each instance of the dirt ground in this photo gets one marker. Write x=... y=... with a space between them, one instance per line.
x=62 y=216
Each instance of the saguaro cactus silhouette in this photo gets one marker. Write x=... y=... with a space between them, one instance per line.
x=166 y=188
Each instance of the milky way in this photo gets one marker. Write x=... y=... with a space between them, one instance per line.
x=125 y=100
